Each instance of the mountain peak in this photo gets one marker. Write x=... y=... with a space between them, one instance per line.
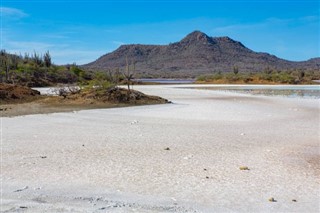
x=196 y=36
x=194 y=55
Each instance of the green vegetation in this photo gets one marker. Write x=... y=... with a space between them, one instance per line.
x=100 y=83
x=266 y=77
x=36 y=70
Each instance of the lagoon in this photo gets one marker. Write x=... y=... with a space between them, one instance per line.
x=291 y=91
x=165 y=81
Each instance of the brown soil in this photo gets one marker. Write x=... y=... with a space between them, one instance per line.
x=18 y=100
x=14 y=93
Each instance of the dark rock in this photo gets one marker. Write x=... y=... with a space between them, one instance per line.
x=244 y=168
x=271 y=199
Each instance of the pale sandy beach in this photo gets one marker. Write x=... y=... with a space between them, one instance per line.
x=116 y=160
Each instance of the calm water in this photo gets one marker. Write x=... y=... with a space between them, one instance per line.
x=308 y=91
x=166 y=81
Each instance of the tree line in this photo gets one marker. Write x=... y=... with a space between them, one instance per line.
x=38 y=70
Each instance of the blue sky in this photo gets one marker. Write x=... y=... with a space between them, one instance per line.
x=81 y=30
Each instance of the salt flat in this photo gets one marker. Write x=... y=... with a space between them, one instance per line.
x=115 y=160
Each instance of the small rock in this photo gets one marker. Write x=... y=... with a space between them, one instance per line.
x=271 y=199
x=83 y=145
x=43 y=157
x=242 y=134
x=244 y=168
x=167 y=149
x=23 y=207
x=294 y=200
x=19 y=190
x=134 y=122
x=207 y=177
x=188 y=157
x=205 y=169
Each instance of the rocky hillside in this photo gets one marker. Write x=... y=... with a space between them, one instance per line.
x=195 y=54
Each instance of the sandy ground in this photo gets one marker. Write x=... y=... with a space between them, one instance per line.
x=115 y=160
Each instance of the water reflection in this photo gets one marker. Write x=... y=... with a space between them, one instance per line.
x=290 y=91
x=165 y=81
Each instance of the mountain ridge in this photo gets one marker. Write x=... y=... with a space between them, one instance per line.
x=195 y=54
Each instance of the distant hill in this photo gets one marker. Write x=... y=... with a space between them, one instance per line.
x=194 y=55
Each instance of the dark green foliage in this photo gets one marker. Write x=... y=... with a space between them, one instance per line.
x=37 y=59
x=4 y=65
x=282 y=77
x=267 y=76
x=76 y=70
x=36 y=70
x=99 y=83
x=47 y=59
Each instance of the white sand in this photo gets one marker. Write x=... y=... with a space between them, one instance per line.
x=114 y=160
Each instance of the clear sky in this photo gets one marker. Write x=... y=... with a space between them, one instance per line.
x=81 y=30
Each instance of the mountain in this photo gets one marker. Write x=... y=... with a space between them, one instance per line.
x=195 y=54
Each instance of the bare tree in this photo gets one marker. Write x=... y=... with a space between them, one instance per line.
x=15 y=61
x=117 y=76
x=129 y=73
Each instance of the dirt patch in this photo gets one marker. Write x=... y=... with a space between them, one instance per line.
x=11 y=93
x=30 y=101
x=118 y=95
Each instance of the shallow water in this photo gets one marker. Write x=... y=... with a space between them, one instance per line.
x=305 y=91
x=166 y=81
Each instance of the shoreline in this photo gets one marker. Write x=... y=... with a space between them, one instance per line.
x=48 y=102
x=43 y=107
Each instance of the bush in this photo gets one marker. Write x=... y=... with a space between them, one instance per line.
x=283 y=77
x=99 y=83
